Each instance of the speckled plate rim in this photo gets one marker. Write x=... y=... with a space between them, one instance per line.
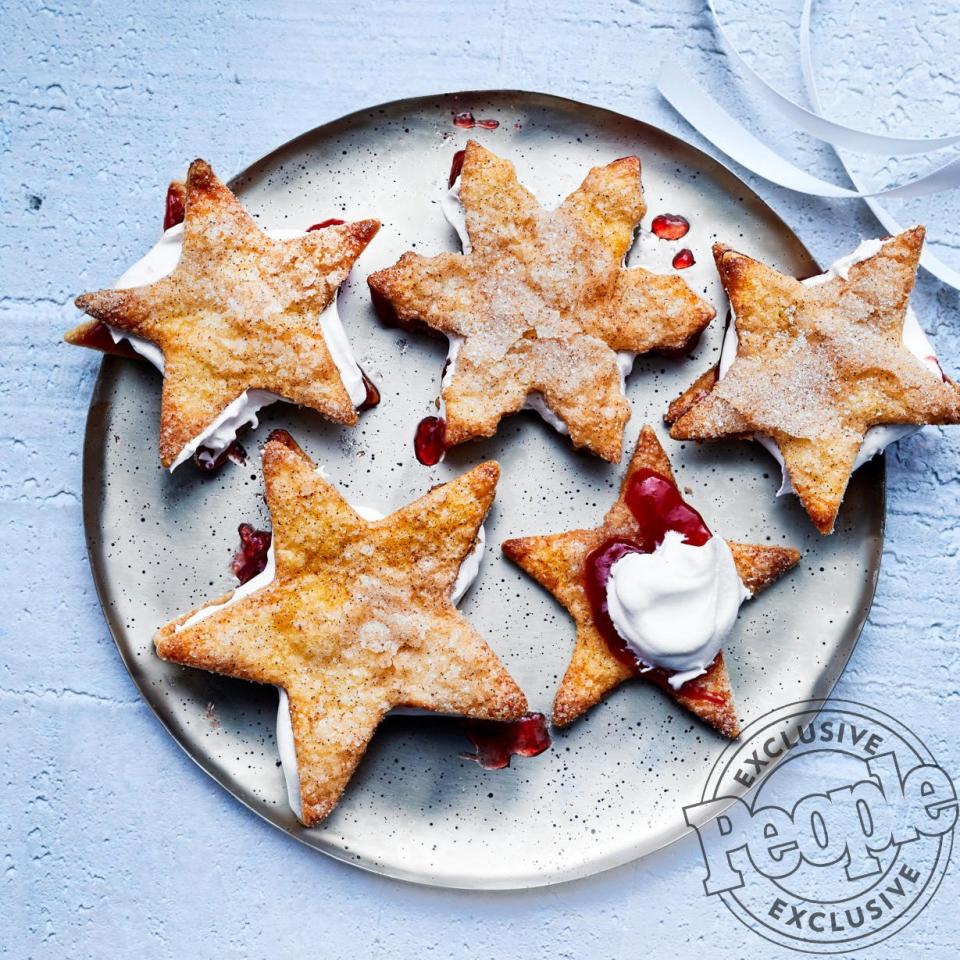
x=93 y=484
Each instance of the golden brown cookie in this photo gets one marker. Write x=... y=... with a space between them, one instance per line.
x=557 y=562
x=543 y=303
x=357 y=619
x=239 y=312
x=816 y=367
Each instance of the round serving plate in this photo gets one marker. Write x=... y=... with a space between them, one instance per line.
x=613 y=785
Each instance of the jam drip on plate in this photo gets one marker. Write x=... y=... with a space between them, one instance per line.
x=429 y=441
x=373 y=394
x=670 y=226
x=251 y=558
x=657 y=506
x=683 y=259
x=209 y=460
x=497 y=742
x=467 y=121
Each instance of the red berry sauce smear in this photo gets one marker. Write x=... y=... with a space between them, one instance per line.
x=456 y=167
x=670 y=226
x=373 y=394
x=98 y=337
x=657 y=506
x=174 y=211
x=209 y=461
x=467 y=121
x=497 y=742
x=683 y=259
x=332 y=222
x=251 y=558
x=429 y=441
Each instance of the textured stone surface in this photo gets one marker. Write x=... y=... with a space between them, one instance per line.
x=111 y=840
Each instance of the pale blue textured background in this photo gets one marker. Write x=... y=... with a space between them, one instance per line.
x=111 y=842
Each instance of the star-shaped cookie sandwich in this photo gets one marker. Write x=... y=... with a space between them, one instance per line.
x=817 y=366
x=558 y=562
x=239 y=312
x=542 y=302
x=357 y=620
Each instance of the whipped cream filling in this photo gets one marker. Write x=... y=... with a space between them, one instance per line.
x=675 y=607
x=466 y=575
x=878 y=438
x=160 y=261
x=456 y=216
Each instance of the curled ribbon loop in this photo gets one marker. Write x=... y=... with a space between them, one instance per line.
x=693 y=103
x=928 y=261
x=701 y=111
x=836 y=134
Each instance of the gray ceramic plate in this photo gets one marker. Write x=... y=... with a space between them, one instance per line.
x=612 y=787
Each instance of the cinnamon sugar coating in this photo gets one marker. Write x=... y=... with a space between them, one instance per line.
x=816 y=367
x=240 y=311
x=543 y=302
x=557 y=562
x=357 y=620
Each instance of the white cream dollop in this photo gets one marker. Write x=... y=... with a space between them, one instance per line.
x=160 y=261
x=456 y=216
x=675 y=607
x=878 y=438
x=466 y=575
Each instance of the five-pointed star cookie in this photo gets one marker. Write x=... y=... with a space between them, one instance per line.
x=816 y=367
x=357 y=620
x=239 y=312
x=543 y=302
x=557 y=562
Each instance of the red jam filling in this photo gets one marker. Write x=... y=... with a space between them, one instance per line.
x=596 y=573
x=497 y=742
x=209 y=460
x=683 y=259
x=467 y=121
x=251 y=558
x=98 y=338
x=373 y=394
x=174 y=210
x=657 y=506
x=456 y=167
x=429 y=441
x=332 y=222
x=670 y=226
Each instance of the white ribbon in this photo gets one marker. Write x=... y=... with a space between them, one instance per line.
x=927 y=260
x=818 y=126
x=701 y=111
x=693 y=103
